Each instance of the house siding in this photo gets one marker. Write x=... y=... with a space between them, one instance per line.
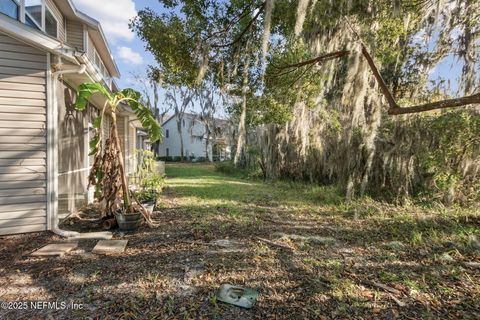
x=192 y=146
x=131 y=158
x=23 y=144
x=75 y=35
x=91 y=50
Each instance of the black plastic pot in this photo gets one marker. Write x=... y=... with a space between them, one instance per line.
x=129 y=221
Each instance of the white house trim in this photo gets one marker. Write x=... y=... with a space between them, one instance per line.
x=51 y=137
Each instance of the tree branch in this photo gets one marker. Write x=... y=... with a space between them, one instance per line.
x=383 y=86
x=325 y=57
x=394 y=108
x=244 y=31
x=443 y=104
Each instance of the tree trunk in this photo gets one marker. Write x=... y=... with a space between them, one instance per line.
x=126 y=195
x=206 y=149
x=242 y=125
x=179 y=128
x=242 y=133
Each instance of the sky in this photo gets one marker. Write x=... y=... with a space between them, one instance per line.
x=128 y=50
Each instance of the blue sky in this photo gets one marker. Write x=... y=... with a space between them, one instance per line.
x=129 y=51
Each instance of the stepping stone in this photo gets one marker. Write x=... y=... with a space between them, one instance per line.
x=55 y=249
x=314 y=239
x=110 y=246
x=225 y=243
x=92 y=235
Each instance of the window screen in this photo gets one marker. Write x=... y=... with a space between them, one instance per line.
x=50 y=24
x=34 y=12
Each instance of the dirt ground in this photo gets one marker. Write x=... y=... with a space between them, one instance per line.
x=308 y=256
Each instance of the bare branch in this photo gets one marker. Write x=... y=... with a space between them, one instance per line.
x=444 y=104
x=244 y=31
x=394 y=108
x=322 y=58
x=383 y=86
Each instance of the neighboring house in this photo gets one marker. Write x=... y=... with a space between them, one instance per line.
x=48 y=48
x=194 y=139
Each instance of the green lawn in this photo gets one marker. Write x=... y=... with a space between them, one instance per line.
x=309 y=254
x=422 y=251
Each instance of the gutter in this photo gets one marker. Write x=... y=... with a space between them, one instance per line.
x=92 y=71
x=53 y=151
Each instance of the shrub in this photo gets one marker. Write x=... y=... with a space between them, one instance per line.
x=148 y=195
x=153 y=182
x=226 y=167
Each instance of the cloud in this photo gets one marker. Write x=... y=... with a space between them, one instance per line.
x=113 y=15
x=129 y=56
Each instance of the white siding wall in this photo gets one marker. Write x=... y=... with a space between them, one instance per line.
x=131 y=155
x=22 y=137
x=90 y=50
x=191 y=145
x=75 y=34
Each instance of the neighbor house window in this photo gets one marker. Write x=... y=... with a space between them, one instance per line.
x=10 y=8
x=167 y=133
x=168 y=152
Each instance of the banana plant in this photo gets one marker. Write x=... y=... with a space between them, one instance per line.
x=108 y=170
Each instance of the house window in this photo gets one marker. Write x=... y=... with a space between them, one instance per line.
x=50 y=24
x=39 y=16
x=167 y=133
x=33 y=11
x=10 y=8
x=183 y=123
x=168 y=152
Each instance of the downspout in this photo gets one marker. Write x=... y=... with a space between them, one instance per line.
x=54 y=151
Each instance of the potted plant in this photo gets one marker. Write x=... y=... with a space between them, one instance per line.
x=148 y=199
x=108 y=170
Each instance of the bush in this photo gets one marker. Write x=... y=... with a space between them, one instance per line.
x=226 y=167
x=176 y=159
x=201 y=159
x=332 y=194
x=147 y=195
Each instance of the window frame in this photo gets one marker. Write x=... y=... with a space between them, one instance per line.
x=47 y=7
x=42 y=15
x=23 y=14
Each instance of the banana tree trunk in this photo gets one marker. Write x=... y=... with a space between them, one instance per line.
x=126 y=195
